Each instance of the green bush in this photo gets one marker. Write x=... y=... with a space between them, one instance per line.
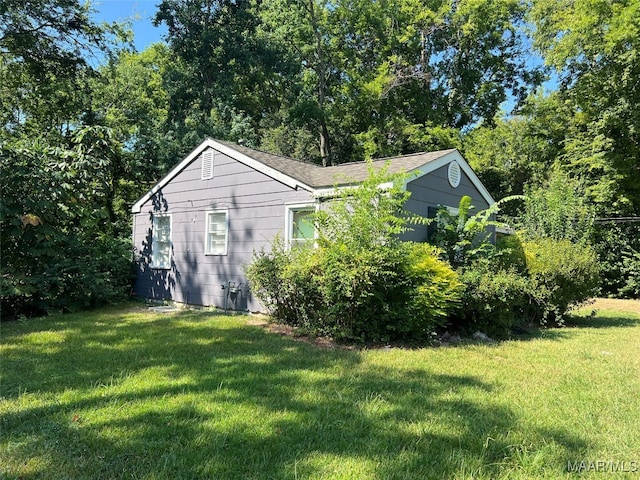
x=493 y=300
x=399 y=292
x=562 y=275
x=631 y=272
x=77 y=275
x=434 y=288
x=393 y=292
x=618 y=248
x=510 y=253
x=558 y=210
x=360 y=283
x=533 y=283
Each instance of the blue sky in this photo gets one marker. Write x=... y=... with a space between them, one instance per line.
x=138 y=12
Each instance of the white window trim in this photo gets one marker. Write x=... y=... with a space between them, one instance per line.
x=226 y=233
x=288 y=223
x=452 y=210
x=154 y=241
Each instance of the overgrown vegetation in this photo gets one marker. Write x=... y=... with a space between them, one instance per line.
x=361 y=282
x=531 y=277
x=62 y=232
x=319 y=81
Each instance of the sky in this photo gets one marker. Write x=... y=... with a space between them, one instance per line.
x=139 y=12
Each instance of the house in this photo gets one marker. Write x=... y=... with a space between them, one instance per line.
x=197 y=228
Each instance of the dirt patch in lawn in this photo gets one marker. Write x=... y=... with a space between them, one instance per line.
x=288 y=331
x=616 y=304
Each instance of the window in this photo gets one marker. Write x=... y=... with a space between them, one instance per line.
x=217 y=233
x=207 y=164
x=161 y=242
x=440 y=222
x=300 y=229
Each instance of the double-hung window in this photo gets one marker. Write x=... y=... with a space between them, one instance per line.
x=217 y=233
x=300 y=229
x=161 y=242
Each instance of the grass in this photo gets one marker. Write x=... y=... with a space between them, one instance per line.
x=125 y=393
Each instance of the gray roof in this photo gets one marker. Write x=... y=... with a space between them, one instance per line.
x=317 y=176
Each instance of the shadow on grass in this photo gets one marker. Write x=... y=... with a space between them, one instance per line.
x=184 y=396
x=574 y=321
x=598 y=321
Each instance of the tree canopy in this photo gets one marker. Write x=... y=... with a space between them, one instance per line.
x=328 y=81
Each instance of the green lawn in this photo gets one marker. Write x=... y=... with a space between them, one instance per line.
x=124 y=393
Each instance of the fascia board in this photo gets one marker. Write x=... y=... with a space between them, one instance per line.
x=445 y=160
x=259 y=166
x=322 y=193
x=210 y=143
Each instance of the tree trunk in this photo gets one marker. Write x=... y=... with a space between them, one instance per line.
x=325 y=147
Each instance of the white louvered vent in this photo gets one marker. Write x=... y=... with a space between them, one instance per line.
x=207 y=164
x=454 y=174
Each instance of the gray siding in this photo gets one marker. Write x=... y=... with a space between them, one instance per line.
x=432 y=190
x=256 y=213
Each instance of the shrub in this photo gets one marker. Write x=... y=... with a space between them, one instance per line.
x=393 y=292
x=562 y=275
x=492 y=301
x=397 y=292
x=534 y=283
x=434 y=288
x=510 y=253
x=558 y=210
x=361 y=283
x=283 y=281
x=631 y=272
x=79 y=274
x=618 y=247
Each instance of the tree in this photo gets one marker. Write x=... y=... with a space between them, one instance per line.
x=60 y=242
x=430 y=66
x=53 y=37
x=223 y=66
x=593 y=45
x=303 y=33
x=395 y=77
x=516 y=153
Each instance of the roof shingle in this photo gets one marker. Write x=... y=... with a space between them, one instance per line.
x=317 y=176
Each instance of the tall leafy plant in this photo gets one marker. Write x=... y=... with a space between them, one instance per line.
x=465 y=237
x=360 y=282
x=559 y=210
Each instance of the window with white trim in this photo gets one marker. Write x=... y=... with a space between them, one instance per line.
x=217 y=233
x=300 y=229
x=207 y=164
x=161 y=242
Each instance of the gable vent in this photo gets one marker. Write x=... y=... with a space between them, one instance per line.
x=207 y=164
x=454 y=174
